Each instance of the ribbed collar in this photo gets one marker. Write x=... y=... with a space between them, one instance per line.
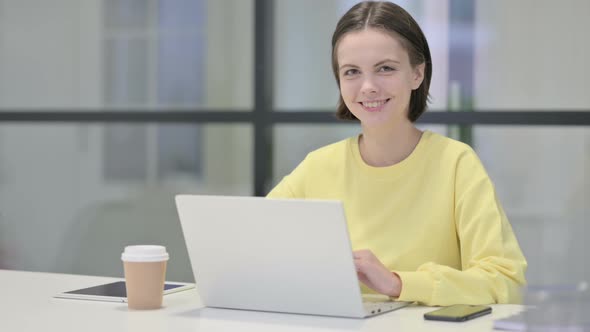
x=393 y=171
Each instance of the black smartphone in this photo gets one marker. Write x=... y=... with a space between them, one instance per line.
x=458 y=312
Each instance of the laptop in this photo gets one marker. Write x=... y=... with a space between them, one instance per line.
x=277 y=255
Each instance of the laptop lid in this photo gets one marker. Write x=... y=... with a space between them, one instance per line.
x=271 y=254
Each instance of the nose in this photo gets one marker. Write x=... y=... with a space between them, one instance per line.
x=369 y=86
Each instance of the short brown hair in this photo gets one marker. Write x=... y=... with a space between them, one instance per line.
x=394 y=20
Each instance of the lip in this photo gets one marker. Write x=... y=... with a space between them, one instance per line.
x=375 y=109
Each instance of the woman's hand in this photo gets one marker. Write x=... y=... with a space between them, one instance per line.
x=375 y=275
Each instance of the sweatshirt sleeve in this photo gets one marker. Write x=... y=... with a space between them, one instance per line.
x=493 y=266
x=292 y=185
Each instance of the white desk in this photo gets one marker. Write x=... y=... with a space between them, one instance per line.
x=26 y=304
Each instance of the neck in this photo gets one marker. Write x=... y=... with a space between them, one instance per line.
x=380 y=148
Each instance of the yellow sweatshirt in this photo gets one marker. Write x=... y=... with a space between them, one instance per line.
x=433 y=218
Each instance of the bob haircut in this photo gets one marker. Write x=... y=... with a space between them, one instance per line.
x=395 y=21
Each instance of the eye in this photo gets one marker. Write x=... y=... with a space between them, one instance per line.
x=350 y=72
x=386 y=69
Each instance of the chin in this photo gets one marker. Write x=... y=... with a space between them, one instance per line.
x=373 y=118
x=381 y=120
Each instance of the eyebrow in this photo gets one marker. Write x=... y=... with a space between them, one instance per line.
x=376 y=65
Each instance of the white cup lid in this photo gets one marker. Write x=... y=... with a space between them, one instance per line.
x=145 y=254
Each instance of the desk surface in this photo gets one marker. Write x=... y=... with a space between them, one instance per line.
x=27 y=304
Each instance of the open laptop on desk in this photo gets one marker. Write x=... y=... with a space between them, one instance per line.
x=290 y=256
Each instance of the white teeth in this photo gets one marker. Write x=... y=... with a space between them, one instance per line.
x=373 y=104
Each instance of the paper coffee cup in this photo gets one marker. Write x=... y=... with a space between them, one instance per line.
x=145 y=273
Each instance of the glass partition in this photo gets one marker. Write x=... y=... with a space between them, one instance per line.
x=127 y=54
x=72 y=196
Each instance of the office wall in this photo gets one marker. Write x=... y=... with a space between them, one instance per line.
x=57 y=204
x=42 y=66
x=532 y=55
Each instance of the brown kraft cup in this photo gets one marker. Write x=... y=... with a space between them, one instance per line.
x=145 y=274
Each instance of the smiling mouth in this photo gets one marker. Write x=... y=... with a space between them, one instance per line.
x=374 y=105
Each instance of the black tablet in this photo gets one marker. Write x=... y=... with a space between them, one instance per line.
x=115 y=291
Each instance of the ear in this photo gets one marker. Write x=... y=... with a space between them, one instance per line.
x=418 y=75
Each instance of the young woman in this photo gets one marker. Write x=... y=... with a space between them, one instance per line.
x=424 y=220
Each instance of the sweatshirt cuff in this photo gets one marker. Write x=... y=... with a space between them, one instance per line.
x=417 y=286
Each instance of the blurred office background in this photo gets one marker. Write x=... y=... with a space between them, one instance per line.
x=74 y=193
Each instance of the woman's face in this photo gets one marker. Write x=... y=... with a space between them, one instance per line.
x=376 y=77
